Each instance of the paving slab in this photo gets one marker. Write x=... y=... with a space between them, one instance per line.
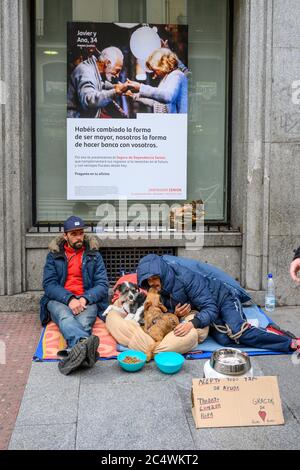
x=288 y=318
x=49 y=397
x=250 y=438
x=110 y=372
x=132 y=416
x=44 y=437
x=288 y=372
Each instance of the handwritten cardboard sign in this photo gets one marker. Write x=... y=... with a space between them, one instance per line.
x=236 y=401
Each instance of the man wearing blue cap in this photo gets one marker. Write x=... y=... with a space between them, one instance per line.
x=76 y=291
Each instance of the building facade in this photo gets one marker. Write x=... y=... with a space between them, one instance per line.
x=258 y=225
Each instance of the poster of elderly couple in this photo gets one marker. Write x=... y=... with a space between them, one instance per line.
x=127 y=104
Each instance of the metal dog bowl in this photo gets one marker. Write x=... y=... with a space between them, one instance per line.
x=230 y=361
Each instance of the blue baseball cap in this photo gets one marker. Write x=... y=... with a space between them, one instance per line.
x=73 y=223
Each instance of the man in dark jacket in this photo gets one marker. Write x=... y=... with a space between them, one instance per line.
x=76 y=291
x=217 y=303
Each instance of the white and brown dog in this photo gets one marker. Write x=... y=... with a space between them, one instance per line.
x=130 y=303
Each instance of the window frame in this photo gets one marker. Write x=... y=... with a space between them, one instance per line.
x=226 y=221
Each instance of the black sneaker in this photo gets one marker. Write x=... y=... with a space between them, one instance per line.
x=92 y=344
x=74 y=359
x=63 y=354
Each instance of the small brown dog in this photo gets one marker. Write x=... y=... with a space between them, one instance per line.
x=158 y=323
x=153 y=308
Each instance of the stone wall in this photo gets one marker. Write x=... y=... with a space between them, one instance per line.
x=284 y=227
x=266 y=137
x=15 y=143
x=223 y=250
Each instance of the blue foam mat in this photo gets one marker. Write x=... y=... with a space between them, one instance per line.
x=38 y=355
x=205 y=349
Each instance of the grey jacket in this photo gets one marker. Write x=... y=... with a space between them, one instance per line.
x=87 y=92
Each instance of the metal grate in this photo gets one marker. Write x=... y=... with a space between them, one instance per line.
x=119 y=261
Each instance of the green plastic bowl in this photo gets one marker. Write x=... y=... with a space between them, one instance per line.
x=169 y=362
x=132 y=353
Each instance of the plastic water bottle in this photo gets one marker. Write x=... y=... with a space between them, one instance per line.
x=270 y=294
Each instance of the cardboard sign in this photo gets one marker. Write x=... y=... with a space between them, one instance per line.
x=236 y=401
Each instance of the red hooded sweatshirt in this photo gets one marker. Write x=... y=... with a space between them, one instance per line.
x=74 y=281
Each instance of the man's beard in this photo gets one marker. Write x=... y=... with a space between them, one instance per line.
x=110 y=77
x=76 y=245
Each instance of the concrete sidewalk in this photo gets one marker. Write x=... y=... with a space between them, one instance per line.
x=107 y=408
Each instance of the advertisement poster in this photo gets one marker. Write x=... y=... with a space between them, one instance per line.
x=127 y=111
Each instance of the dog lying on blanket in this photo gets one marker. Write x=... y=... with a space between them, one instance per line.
x=157 y=323
x=130 y=303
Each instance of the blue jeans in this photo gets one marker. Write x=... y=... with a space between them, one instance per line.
x=73 y=327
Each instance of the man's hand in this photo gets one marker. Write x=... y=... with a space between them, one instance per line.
x=133 y=85
x=83 y=301
x=121 y=88
x=77 y=306
x=129 y=93
x=182 y=310
x=183 y=329
x=294 y=269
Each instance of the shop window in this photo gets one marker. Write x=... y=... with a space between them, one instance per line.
x=208 y=40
